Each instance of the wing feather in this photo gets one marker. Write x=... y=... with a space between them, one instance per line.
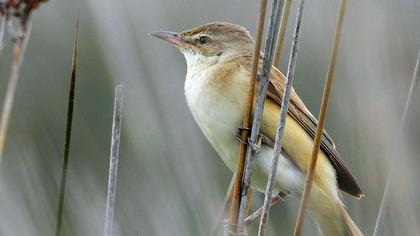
x=303 y=116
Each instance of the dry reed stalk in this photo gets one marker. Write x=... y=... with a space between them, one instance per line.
x=113 y=160
x=3 y=20
x=282 y=121
x=253 y=146
x=274 y=200
x=20 y=41
x=69 y=122
x=321 y=119
x=21 y=10
x=385 y=198
x=249 y=203
x=282 y=33
x=237 y=189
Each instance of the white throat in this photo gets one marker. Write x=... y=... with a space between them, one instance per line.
x=196 y=61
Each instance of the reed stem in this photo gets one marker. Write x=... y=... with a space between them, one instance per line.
x=282 y=121
x=253 y=146
x=3 y=20
x=20 y=41
x=321 y=120
x=113 y=160
x=236 y=195
x=282 y=33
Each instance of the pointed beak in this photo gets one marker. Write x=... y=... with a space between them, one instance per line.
x=171 y=37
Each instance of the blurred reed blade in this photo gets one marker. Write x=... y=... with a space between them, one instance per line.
x=253 y=147
x=412 y=89
x=113 y=160
x=72 y=90
x=385 y=198
x=282 y=121
x=20 y=41
x=2 y=29
x=321 y=119
x=228 y=195
x=282 y=33
x=237 y=187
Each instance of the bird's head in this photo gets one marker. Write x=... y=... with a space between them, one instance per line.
x=211 y=43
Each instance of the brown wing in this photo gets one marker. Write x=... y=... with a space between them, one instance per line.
x=303 y=116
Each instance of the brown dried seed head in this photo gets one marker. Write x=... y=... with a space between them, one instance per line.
x=29 y=4
x=34 y=3
x=19 y=8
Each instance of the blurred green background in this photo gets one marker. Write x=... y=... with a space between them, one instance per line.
x=170 y=181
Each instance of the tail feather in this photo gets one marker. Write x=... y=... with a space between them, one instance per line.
x=349 y=224
x=330 y=215
x=326 y=210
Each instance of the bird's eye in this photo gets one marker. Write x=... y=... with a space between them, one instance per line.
x=203 y=40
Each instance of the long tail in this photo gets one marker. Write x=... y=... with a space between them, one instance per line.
x=330 y=215
x=351 y=227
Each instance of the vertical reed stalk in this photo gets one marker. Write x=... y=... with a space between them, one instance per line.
x=385 y=198
x=282 y=33
x=72 y=89
x=236 y=195
x=3 y=20
x=321 y=120
x=113 y=160
x=282 y=122
x=253 y=146
x=20 y=41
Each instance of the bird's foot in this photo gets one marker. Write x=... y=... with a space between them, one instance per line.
x=237 y=133
x=256 y=146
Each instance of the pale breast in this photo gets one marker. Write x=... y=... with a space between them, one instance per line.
x=216 y=106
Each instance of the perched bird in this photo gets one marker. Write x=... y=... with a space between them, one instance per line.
x=219 y=61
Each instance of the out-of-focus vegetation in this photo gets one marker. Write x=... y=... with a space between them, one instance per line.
x=170 y=180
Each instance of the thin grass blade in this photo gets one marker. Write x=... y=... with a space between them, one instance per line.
x=69 y=122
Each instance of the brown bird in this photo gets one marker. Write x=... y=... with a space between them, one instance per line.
x=219 y=61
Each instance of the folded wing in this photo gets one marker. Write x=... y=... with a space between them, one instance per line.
x=299 y=112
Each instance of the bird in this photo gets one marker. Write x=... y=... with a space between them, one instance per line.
x=219 y=58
